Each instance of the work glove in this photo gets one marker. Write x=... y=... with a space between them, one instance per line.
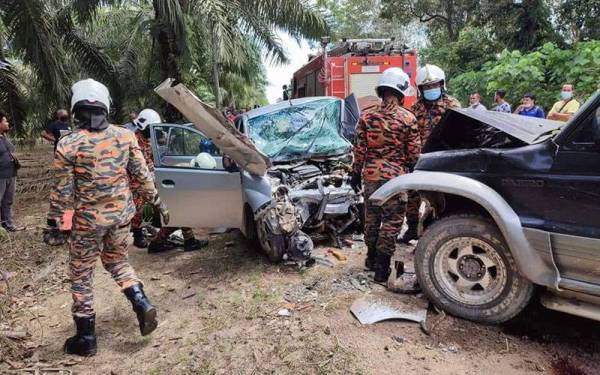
x=356 y=181
x=162 y=209
x=53 y=236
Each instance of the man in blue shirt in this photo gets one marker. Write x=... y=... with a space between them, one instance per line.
x=501 y=104
x=528 y=107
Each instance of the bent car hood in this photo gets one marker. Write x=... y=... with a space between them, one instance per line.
x=464 y=128
x=212 y=123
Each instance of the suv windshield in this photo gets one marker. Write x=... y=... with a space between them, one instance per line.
x=300 y=131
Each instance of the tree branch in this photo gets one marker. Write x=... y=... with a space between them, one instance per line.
x=429 y=17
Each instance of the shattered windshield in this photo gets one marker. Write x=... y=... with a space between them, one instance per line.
x=300 y=131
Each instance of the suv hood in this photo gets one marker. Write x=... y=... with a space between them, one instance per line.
x=468 y=128
x=212 y=123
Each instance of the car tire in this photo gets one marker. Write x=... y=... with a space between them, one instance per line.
x=465 y=268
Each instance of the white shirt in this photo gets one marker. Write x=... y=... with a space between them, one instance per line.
x=478 y=106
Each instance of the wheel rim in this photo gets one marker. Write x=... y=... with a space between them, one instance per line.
x=470 y=271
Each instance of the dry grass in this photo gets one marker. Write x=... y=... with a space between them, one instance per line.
x=37 y=268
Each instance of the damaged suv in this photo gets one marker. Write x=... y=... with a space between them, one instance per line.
x=514 y=202
x=283 y=182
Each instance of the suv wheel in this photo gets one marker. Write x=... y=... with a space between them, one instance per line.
x=464 y=267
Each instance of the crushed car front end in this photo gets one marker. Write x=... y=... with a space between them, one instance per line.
x=311 y=195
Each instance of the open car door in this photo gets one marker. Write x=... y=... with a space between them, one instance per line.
x=196 y=197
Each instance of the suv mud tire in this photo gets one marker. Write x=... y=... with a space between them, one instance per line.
x=465 y=268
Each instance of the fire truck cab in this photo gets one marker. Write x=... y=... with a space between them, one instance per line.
x=353 y=66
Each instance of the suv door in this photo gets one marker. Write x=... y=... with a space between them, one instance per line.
x=572 y=213
x=196 y=197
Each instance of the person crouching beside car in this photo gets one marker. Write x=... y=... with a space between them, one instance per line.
x=387 y=145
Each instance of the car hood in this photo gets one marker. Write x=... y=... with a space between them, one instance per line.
x=464 y=128
x=212 y=123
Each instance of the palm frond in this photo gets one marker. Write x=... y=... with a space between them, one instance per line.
x=170 y=16
x=12 y=98
x=264 y=36
x=299 y=18
x=85 y=10
x=33 y=31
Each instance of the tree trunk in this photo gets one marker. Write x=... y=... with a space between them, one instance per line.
x=168 y=58
x=216 y=48
x=450 y=22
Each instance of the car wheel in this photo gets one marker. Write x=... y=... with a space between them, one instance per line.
x=465 y=268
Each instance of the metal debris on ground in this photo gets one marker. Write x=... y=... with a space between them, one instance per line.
x=379 y=307
x=398 y=339
x=284 y=312
x=324 y=261
x=360 y=282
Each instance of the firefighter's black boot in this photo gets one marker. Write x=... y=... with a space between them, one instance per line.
x=193 y=244
x=146 y=313
x=139 y=240
x=412 y=232
x=84 y=341
x=158 y=246
x=382 y=268
x=371 y=259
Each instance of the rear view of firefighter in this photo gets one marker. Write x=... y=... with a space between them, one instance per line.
x=429 y=109
x=92 y=165
x=142 y=134
x=387 y=146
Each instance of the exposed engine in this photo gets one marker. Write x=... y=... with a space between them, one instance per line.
x=312 y=201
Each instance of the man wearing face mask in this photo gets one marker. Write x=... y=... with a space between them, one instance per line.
x=57 y=128
x=564 y=109
x=387 y=146
x=433 y=103
x=92 y=165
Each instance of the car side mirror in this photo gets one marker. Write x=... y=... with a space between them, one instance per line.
x=229 y=165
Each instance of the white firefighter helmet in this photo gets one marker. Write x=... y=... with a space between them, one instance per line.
x=430 y=74
x=203 y=160
x=395 y=79
x=146 y=117
x=91 y=92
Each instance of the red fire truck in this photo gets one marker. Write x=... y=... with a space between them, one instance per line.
x=353 y=66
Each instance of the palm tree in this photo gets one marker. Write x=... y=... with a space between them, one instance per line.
x=228 y=24
x=58 y=41
x=42 y=35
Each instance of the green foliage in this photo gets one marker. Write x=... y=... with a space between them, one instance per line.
x=542 y=72
x=467 y=83
x=579 y=20
x=470 y=51
x=524 y=25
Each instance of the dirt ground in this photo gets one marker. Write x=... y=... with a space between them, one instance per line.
x=218 y=311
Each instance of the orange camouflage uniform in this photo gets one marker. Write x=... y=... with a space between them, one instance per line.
x=135 y=185
x=428 y=116
x=91 y=171
x=387 y=146
x=139 y=201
